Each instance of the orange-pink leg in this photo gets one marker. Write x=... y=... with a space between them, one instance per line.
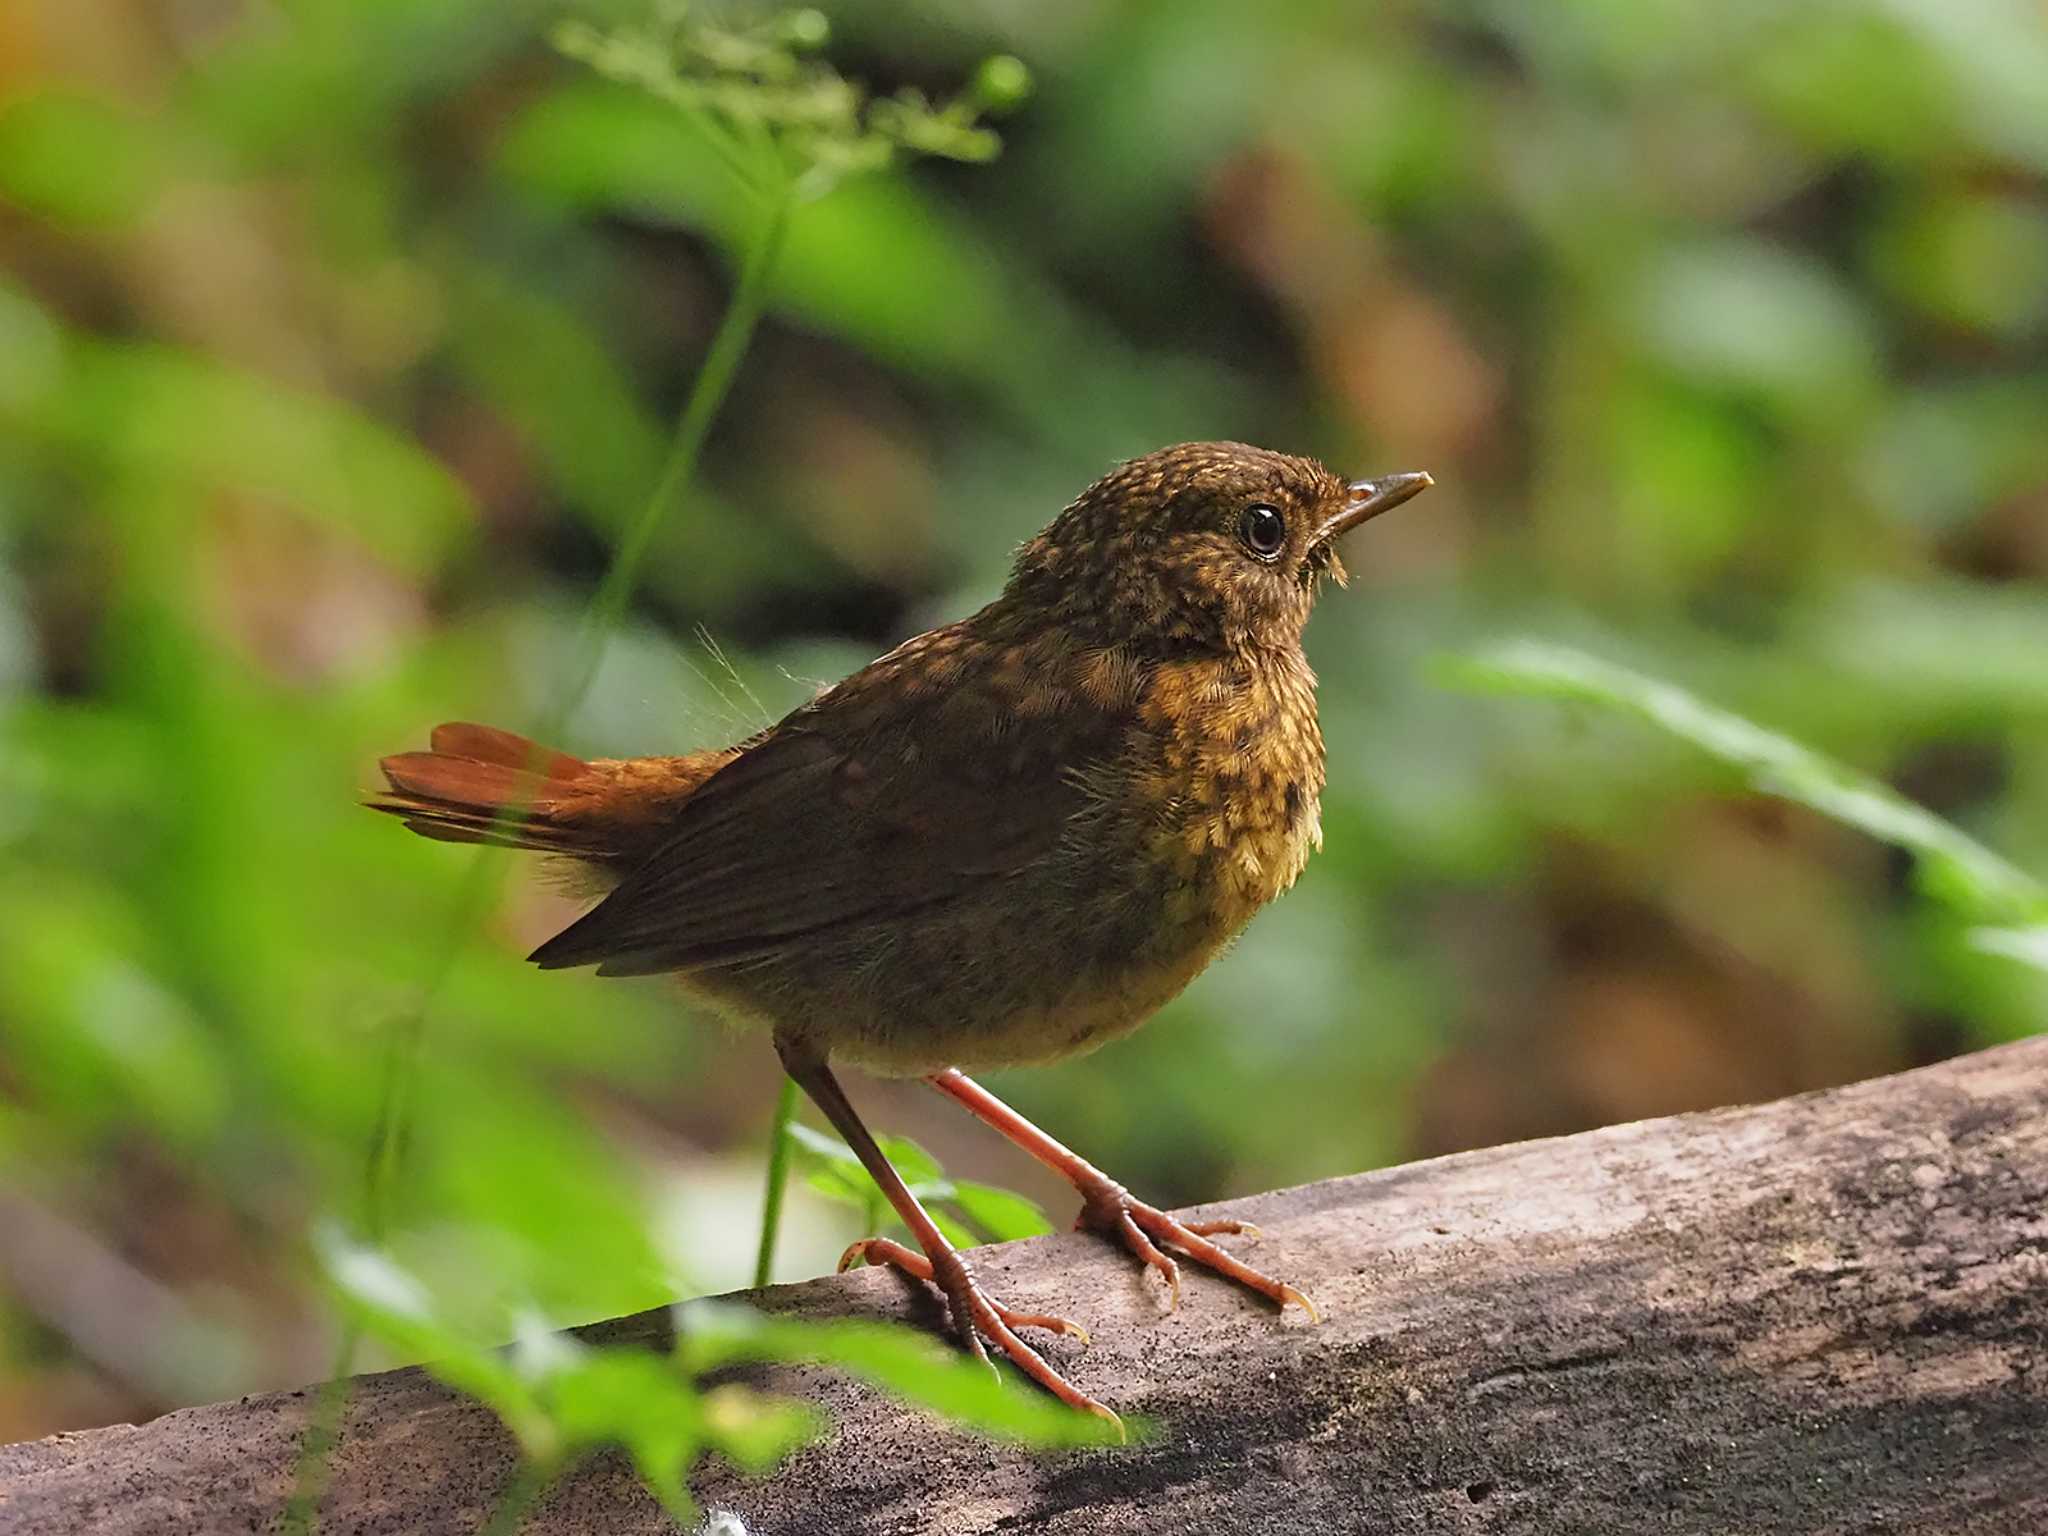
x=1107 y=1207
x=975 y=1313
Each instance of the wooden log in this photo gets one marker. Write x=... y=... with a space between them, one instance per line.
x=1828 y=1314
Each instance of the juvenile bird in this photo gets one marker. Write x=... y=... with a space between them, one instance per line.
x=1008 y=841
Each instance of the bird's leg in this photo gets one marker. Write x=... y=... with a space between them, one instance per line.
x=975 y=1313
x=1107 y=1207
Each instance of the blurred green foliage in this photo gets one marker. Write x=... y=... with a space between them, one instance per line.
x=1991 y=907
x=564 y=1400
x=338 y=346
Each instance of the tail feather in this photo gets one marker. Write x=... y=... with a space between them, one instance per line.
x=478 y=784
x=488 y=744
x=482 y=785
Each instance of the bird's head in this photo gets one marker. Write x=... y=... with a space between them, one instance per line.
x=1212 y=545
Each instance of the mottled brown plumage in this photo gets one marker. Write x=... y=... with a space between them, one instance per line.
x=1008 y=840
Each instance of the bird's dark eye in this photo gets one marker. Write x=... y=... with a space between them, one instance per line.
x=1263 y=530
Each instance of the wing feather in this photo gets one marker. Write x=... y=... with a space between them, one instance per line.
x=807 y=834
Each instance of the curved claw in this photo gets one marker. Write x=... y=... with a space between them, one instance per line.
x=1289 y=1293
x=857 y=1253
x=1046 y=1320
x=1108 y=1207
x=1225 y=1229
x=1103 y=1412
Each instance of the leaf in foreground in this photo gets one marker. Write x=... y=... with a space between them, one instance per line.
x=904 y=1362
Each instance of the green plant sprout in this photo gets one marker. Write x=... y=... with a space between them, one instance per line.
x=789 y=129
x=2006 y=907
x=968 y=1213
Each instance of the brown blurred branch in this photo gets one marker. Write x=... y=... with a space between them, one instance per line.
x=1824 y=1314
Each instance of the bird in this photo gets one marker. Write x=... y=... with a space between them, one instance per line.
x=1008 y=841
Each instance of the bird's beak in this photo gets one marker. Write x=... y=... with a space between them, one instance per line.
x=1369 y=498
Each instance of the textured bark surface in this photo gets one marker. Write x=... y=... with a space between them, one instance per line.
x=1825 y=1314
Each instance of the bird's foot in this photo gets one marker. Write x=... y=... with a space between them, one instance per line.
x=976 y=1315
x=1107 y=1207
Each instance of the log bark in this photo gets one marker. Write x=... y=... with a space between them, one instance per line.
x=1828 y=1314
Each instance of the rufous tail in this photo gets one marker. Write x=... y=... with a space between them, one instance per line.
x=479 y=784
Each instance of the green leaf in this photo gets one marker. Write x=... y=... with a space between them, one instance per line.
x=838 y=1174
x=816 y=1146
x=830 y=1166
x=951 y=1230
x=562 y=1398
x=630 y=1397
x=755 y=1432
x=392 y=1306
x=1956 y=868
x=77 y=160
x=1001 y=1213
x=906 y=1362
x=2029 y=946
x=918 y=1167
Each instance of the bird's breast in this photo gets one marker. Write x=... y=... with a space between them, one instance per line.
x=1228 y=768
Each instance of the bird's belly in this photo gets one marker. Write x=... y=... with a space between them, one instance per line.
x=1027 y=981
x=1074 y=1014
x=1013 y=977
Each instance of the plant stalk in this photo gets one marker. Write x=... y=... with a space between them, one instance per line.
x=778 y=1182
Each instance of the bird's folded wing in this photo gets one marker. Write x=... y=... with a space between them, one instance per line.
x=803 y=835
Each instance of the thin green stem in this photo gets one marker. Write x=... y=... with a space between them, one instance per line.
x=714 y=381
x=778 y=1182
